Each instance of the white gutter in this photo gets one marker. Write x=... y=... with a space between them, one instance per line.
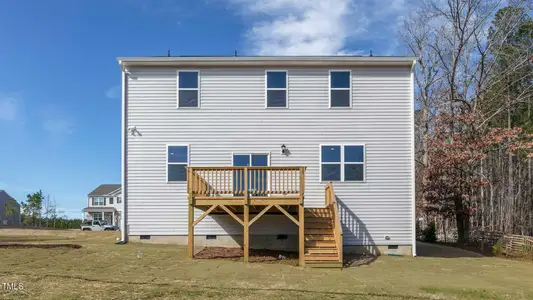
x=124 y=222
x=265 y=61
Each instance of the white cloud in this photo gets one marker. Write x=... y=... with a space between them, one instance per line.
x=322 y=27
x=58 y=126
x=10 y=107
x=113 y=92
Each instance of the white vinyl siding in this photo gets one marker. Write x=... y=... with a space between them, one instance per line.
x=233 y=119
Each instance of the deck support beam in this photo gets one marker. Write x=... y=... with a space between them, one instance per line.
x=301 y=236
x=246 y=244
x=190 y=244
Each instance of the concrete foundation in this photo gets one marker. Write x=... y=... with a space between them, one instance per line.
x=272 y=242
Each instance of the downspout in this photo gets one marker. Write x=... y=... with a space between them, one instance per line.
x=413 y=167
x=124 y=135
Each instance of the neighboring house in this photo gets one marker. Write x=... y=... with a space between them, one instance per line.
x=9 y=210
x=105 y=203
x=288 y=124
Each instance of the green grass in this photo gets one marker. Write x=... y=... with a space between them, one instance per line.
x=102 y=270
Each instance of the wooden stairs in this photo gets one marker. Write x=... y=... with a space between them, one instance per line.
x=323 y=235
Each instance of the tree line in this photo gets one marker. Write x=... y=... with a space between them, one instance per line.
x=473 y=115
x=41 y=211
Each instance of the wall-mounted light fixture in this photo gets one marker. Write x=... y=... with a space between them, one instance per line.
x=133 y=130
x=284 y=149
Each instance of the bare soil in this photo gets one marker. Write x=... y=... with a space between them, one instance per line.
x=42 y=246
x=256 y=255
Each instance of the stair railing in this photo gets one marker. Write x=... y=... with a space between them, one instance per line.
x=331 y=203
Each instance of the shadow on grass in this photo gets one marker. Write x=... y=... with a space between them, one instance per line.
x=207 y=288
x=442 y=251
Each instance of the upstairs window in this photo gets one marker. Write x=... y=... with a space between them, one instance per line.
x=98 y=201
x=188 y=89
x=119 y=200
x=110 y=200
x=276 y=89
x=342 y=163
x=340 y=89
x=177 y=162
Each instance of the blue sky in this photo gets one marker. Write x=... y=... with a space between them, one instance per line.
x=59 y=79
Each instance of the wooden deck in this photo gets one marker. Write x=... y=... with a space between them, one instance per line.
x=251 y=192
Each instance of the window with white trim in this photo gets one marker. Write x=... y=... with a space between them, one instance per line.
x=177 y=161
x=342 y=163
x=97 y=216
x=119 y=200
x=340 y=89
x=276 y=89
x=188 y=89
x=110 y=200
x=98 y=201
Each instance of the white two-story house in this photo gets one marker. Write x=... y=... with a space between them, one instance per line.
x=311 y=153
x=105 y=203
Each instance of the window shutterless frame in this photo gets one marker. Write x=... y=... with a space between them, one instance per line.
x=175 y=163
x=286 y=89
x=342 y=162
x=178 y=89
x=339 y=89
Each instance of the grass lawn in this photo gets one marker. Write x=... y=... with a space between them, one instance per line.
x=102 y=270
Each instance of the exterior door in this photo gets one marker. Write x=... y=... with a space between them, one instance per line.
x=259 y=181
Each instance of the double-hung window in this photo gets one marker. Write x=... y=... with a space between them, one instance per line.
x=98 y=201
x=342 y=163
x=110 y=200
x=188 y=89
x=340 y=92
x=177 y=161
x=119 y=200
x=276 y=89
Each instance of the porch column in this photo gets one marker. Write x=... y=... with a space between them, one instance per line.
x=113 y=218
x=103 y=216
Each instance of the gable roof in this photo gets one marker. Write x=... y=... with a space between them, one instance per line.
x=4 y=196
x=105 y=189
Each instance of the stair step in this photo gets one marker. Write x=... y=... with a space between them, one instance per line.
x=318 y=219
x=319 y=231
x=317 y=215
x=321 y=251
x=321 y=258
x=320 y=244
x=323 y=264
x=315 y=237
x=318 y=225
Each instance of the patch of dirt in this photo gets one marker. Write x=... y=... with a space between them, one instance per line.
x=356 y=260
x=43 y=246
x=256 y=256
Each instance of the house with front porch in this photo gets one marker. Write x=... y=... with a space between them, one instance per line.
x=105 y=203
x=307 y=153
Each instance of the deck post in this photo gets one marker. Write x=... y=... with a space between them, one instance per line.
x=301 y=241
x=246 y=226
x=301 y=218
x=190 y=244
x=190 y=223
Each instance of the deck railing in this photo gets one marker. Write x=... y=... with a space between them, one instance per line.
x=240 y=181
x=331 y=203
